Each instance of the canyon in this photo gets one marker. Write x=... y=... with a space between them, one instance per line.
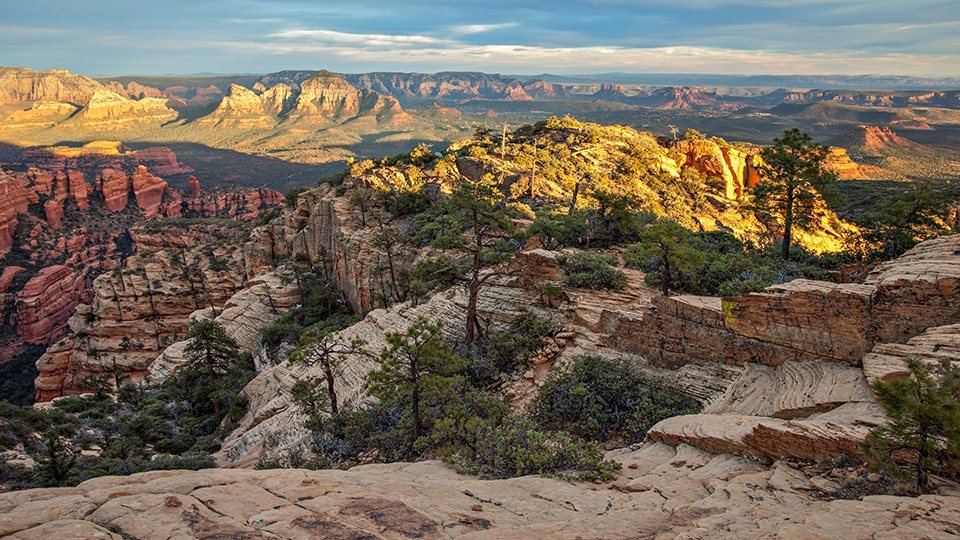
x=59 y=230
x=108 y=263
x=784 y=381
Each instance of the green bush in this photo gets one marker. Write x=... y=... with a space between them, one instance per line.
x=606 y=400
x=503 y=351
x=514 y=447
x=595 y=271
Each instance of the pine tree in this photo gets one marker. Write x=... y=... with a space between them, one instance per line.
x=482 y=231
x=924 y=427
x=214 y=353
x=793 y=172
x=414 y=367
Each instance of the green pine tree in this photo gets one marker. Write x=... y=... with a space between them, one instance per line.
x=923 y=434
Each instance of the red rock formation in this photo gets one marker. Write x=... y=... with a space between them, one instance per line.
x=172 y=203
x=515 y=92
x=160 y=159
x=242 y=108
x=15 y=197
x=115 y=188
x=46 y=302
x=148 y=191
x=53 y=213
x=541 y=89
x=242 y=205
x=134 y=90
x=839 y=162
x=42 y=180
x=194 y=189
x=79 y=189
x=142 y=307
x=109 y=110
x=736 y=167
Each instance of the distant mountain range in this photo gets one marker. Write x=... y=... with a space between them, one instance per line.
x=810 y=82
x=317 y=117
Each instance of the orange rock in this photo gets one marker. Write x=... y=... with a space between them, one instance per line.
x=115 y=188
x=79 y=189
x=46 y=302
x=148 y=191
x=194 y=189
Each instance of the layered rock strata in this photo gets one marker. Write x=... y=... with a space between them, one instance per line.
x=46 y=302
x=144 y=306
x=664 y=492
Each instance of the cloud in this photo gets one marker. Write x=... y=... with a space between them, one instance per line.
x=360 y=40
x=481 y=28
x=741 y=36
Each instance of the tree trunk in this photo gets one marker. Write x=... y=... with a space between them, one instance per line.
x=212 y=375
x=472 y=300
x=922 y=474
x=787 y=227
x=666 y=274
x=330 y=390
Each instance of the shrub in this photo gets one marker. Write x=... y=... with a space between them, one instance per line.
x=595 y=271
x=514 y=447
x=502 y=351
x=604 y=400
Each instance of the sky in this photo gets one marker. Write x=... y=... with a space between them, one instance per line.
x=519 y=37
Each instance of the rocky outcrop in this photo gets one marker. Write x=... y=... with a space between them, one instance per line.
x=148 y=191
x=737 y=168
x=261 y=302
x=680 y=98
x=541 y=89
x=448 y=86
x=664 y=492
x=144 y=306
x=46 y=302
x=109 y=110
x=840 y=163
x=95 y=156
x=329 y=98
x=814 y=318
x=16 y=198
x=243 y=205
x=7 y=298
x=935 y=345
x=918 y=290
x=56 y=85
x=114 y=186
x=40 y=115
x=324 y=226
x=243 y=108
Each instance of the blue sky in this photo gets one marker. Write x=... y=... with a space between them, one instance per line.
x=113 y=37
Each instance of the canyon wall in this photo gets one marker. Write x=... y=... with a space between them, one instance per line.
x=65 y=230
x=143 y=306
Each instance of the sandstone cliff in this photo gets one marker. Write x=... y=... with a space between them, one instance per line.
x=241 y=108
x=143 y=306
x=80 y=229
x=109 y=110
x=57 y=85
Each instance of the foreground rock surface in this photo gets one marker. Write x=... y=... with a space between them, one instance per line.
x=665 y=492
